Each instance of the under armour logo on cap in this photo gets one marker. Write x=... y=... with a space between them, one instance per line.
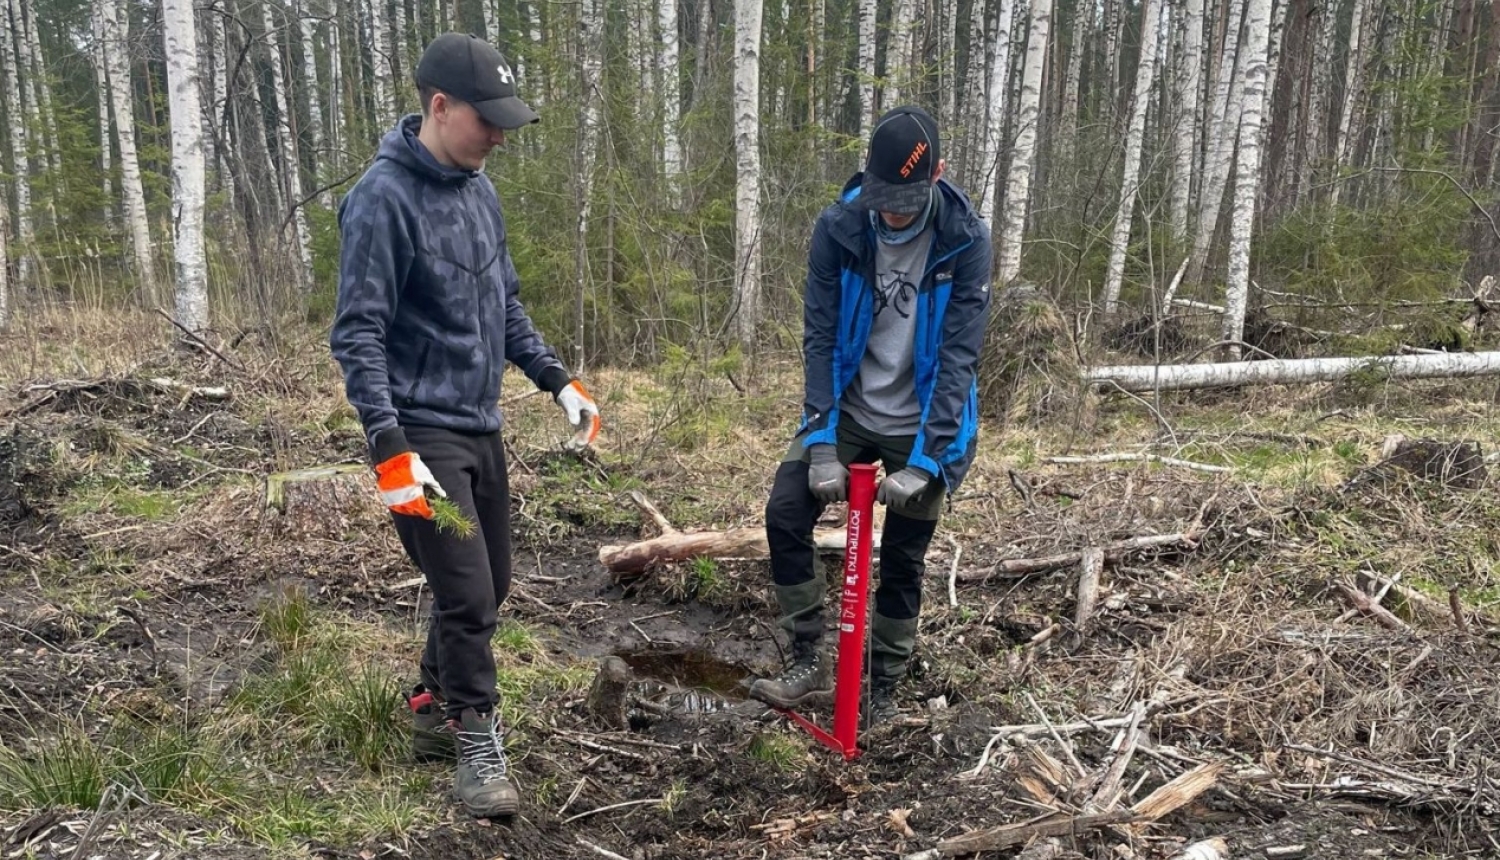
x=505 y=75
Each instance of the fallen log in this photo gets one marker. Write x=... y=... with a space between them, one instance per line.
x=1290 y=371
x=731 y=543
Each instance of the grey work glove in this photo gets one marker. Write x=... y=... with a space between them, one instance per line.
x=827 y=478
x=901 y=488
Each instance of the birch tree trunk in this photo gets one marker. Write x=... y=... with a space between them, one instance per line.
x=101 y=92
x=181 y=42
x=1129 y=184
x=1315 y=125
x=671 y=94
x=337 y=135
x=1222 y=140
x=304 y=12
x=490 y=9
x=122 y=97
x=4 y=270
x=866 y=71
x=38 y=73
x=900 y=80
x=1187 y=134
x=291 y=164
x=219 y=109
x=817 y=90
x=998 y=93
x=1018 y=188
x=1247 y=173
x=975 y=100
x=1067 y=127
x=747 y=227
x=1178 y=377
x=384 y=50
x=1353 y=78
x=590 y=49
x=538 y=86
x=19 y=143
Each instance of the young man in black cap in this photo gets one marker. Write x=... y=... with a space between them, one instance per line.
x=428 y=314
x=895 y=308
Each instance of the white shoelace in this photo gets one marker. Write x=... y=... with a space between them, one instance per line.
x=485 y=751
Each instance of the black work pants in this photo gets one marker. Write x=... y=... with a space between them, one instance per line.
x=469 y=577
x=792 y=511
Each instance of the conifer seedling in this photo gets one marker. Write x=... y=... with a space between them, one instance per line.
x=448 y=517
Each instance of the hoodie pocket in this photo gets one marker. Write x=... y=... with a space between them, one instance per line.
x=410 y=398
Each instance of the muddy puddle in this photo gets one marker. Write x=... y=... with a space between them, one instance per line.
x=687 y=681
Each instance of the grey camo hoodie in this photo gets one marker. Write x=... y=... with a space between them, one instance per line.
x=428 y=305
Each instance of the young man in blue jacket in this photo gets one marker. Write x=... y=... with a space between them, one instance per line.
x=895 y=308
x=428 y=314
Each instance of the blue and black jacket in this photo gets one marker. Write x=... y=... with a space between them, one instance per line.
x=953 y=308
x=428 y=299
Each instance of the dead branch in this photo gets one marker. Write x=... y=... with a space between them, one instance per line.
x=1020 y=833
x=1135 y=458
x=1365 y=604
x=1457 y=605
x=1113 y=553
x=1109 y=786
x=651 y=513
x=1179 y=791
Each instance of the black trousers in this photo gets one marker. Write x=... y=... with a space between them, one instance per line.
x=469 y=577
x=792 y=511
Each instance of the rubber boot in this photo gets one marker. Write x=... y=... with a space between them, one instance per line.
x=891 y=643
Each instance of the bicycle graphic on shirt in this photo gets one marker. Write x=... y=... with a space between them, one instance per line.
x=895 y=291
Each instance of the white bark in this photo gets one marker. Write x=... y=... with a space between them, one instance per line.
x=1083 y=23
x=1315 y=123
x=117 y=24
x=1018 y=188
x=1222 y=137
x=491 y=11
x=337 y=136
x=671 y=94
x=899 y=68
x=947 y=14
x=1353 y=84
x=19 y=141
x=186 y=110
x=1130 y=183
x=975 y=77
x=101 y=92
x=384 y=55
x=1173 y=377
x=1186 y=135
x=302 y=9
x=1111 y=68
x=590 y=50
x=43 y=96
x=747 y=227
x=1247 y=172
x=220 y=106
x=997 y=97
x=534 y=34
x=4 y=270
x=291 y=164
x=866 y=64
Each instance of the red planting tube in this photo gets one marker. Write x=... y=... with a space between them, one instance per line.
x=853 y=607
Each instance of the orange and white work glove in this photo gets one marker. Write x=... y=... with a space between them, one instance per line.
x=583 y=414
x=404 y=480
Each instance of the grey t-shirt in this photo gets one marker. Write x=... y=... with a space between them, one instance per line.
x=883 y=396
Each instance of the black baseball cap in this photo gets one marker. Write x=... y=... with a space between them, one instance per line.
x=470 y=69
x=902 y=161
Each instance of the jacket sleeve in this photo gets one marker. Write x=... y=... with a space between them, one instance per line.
x=524 y=346
x=962 y=341
x=375 y=255
x=820 y=326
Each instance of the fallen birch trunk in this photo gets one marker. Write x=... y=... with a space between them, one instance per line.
x=674 y=545
x=1169 y=377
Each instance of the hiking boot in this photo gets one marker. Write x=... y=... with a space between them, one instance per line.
x=481 y=781
x=430 y=738
x=883 y=706
x=807 y=678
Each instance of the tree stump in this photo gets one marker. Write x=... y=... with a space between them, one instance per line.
x=606 y=701
x=1456 y=465
x=321 y=499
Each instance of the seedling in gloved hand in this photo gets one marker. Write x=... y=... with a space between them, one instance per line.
x=448 y=517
